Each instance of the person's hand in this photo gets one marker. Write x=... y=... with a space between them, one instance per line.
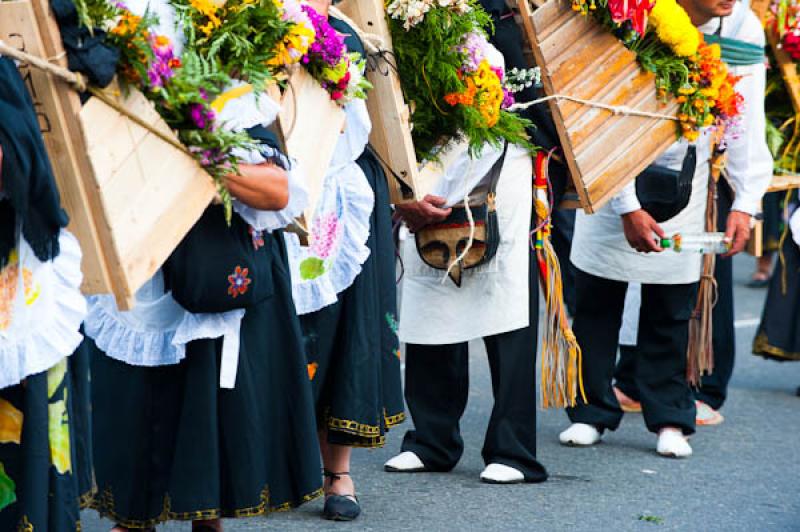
x=639 y=229
x=737 y=232
x=418 y=214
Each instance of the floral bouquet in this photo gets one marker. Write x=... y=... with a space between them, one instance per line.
x=669 y=45
x=783 y=127
x=783 y=19
x=454 y=90
x=340 y=72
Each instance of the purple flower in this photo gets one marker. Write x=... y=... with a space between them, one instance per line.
x=328 y=46
x=198 y=115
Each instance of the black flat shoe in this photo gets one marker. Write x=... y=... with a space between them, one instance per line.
x=340 y=507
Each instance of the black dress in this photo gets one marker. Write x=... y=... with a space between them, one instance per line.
x=352 y=345
x=778 y=336
x=171 y=445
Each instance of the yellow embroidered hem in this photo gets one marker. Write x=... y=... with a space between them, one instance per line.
x=104 y=505
x=85 y=500
x=369 y=435
x=762 y=347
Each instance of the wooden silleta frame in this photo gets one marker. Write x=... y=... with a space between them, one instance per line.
x=131 y=196
x=391 y=120
x=581 y=59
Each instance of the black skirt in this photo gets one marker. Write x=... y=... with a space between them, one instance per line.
x=171 y=445
x=40 y=457
x=778 y=335
x=352 y=345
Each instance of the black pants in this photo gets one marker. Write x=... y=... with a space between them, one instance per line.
x=713 y=388
x=660 y=370
x=437 y=385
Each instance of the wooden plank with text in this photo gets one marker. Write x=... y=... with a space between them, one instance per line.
x=579 y=58
x=391 y=120
x=55 y=104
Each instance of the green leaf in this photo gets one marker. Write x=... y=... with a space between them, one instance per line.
x=311 y=268
x=8 y=489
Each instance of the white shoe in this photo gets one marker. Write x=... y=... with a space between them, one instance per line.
x=580 y=435
x=673 y=444
x=405 y=462
x=501 y=474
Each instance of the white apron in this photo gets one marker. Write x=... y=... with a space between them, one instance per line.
x=493 y=298
x=599 y=246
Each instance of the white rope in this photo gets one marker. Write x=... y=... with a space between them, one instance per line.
x=616 y=109
x=373 y=43
x=470 y=241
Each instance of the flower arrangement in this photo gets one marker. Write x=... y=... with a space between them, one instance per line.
x=783 y=18
x=339 y=72
x=252 y=39
x=444 y=66
x=668 y=44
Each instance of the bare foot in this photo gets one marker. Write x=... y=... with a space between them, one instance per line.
x=626 y=403
x=339 y=485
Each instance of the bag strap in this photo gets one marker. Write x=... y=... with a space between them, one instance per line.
x=494 y=177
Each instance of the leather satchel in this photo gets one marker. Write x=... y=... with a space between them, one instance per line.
x=442 y=243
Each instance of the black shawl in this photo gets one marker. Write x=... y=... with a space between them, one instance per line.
x=31 y=196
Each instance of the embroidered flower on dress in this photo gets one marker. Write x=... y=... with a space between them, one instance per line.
x=312 y=370
x=239 y=282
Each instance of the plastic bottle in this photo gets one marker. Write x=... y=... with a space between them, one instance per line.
x=711 y=243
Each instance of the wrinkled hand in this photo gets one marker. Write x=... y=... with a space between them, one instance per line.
x=737 y=232
x=418 y=214
x=639 y=228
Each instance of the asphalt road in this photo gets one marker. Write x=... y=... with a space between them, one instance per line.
x=744 y=475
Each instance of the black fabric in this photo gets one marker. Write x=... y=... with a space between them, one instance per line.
x=217 y=268
x=171 y=445
x=80 y=403
x=46 y=498
x=714 y=388
x=351 y=40
x=778 y=336
x=664 y=192
x=563 y=228
x=87 y=51
x=437 y=386
x=773 y=220
x=26 y=175
x=660 y=377
x=352 y=345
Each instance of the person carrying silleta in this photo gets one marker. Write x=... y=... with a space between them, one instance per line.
x=347 y=305
x=494 y=300
x=750 y=168
x=606 y=263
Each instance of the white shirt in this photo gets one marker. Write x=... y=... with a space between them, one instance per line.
x=600 y=247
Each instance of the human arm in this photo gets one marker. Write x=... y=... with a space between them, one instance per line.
x=260 y=186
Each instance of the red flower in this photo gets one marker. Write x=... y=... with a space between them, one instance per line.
x=239 y=282
x=634 y=10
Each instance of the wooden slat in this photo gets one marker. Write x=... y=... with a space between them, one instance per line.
x=312 y=124
x=151 y=193
x=784 y=182
x=54 y=103
x=579 y=58
x=391 y=120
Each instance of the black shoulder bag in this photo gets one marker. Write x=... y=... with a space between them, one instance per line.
x=664 y=192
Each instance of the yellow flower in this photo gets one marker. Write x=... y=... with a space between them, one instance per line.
x=674 y=27
x=691 y=135
x=293 y=46
x=10 y=423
